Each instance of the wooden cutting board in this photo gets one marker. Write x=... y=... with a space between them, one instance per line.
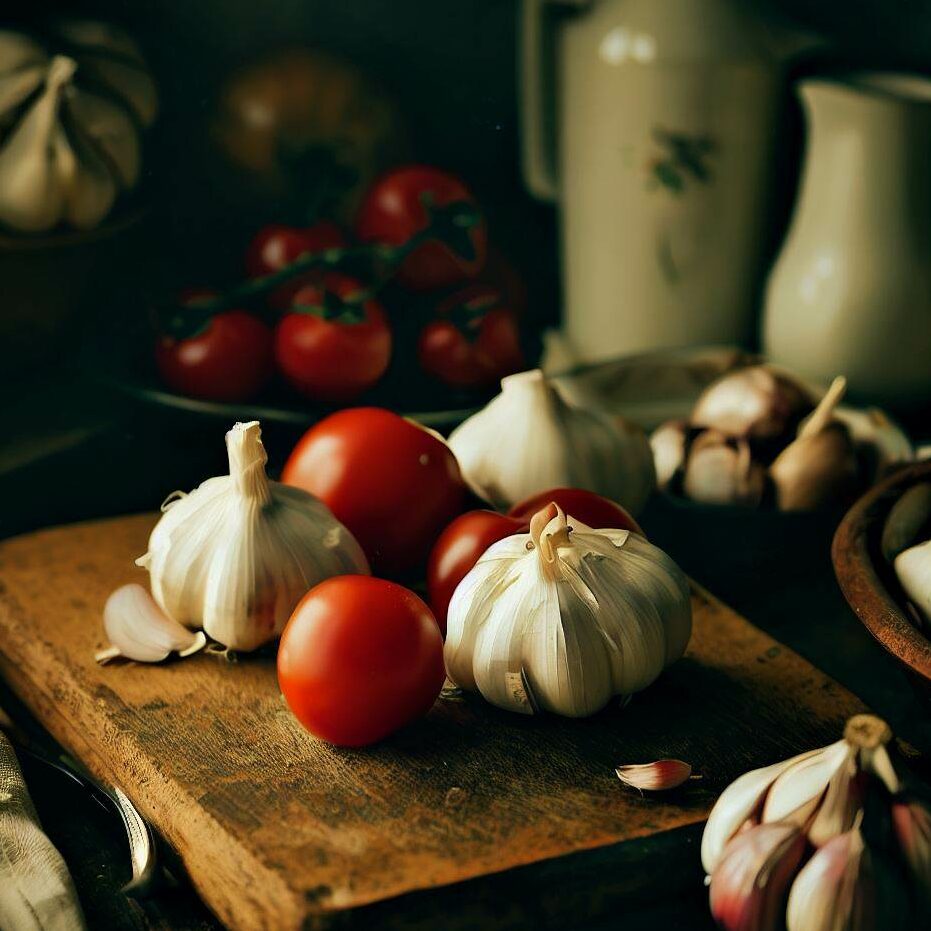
x=278 y=830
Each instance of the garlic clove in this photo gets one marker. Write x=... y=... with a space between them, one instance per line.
x=750 y=883
x=820 y=465
x=529 y=439
x=19 y=51
x=913 y=570
x=655 y=777
x=911 y=821
x=32 y=192
x=905 y=520
x=138 y=629
x=796 y=792
x=842 y=801
x=738 y=802
x=89 y=187
x=16 y=86
x=720 y=470
x=759 y=402
x=110 y=129
x=846 y=886
x=669 y=442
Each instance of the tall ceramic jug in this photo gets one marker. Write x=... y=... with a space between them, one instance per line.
x=653 y=124
x=851 y=291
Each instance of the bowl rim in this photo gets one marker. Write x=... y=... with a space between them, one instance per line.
x=865 y=591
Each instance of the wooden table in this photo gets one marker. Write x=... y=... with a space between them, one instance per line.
x=782 y=581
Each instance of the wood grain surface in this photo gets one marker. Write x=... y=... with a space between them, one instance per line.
x=279 y=830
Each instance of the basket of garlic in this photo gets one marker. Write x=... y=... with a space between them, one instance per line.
x=882 y=558
x=76 y=99
x=760 y=438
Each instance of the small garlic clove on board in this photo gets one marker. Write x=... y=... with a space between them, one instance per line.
x=905 y=520
x=655 y=777
x=669 y=443
x=750 y=883
x=820 y=465
x=738 y=802
x=139 y=629
x=720 y=470
x=529 y=439
x=759 y=402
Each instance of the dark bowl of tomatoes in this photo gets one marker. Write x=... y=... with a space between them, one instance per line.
x=403 y=311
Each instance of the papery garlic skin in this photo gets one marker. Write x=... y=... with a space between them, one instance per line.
x=529 y=438
x=577 y=616
x=237 y=554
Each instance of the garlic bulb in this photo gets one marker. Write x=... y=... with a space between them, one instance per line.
x=69 y=125
x=237 y=554
x=565 y=617
x=759 y=402
x=792 y=831
x=820 y=465
x=529 y=439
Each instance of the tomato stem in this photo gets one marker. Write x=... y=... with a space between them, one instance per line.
x=449 y=223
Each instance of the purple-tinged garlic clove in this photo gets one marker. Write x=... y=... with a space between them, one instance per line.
x=750 y=884
x=658 y=776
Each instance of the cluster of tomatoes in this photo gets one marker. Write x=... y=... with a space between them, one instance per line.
x=363 y=656
x=330 y=337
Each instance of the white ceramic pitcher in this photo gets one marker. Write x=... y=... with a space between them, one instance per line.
x=851 y=291
x=653 y=124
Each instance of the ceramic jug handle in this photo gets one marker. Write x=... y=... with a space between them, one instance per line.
x=537 y=99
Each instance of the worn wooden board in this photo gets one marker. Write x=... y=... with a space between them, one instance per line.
x=278 y=830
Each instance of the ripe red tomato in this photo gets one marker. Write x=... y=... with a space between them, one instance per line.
x=591 y=509
x=474 y=340
x=458 y=549
x=276 y=245
x=228 y=360
x=393 y=211
x=333 y=355
x=394 y=484
x=359 y=658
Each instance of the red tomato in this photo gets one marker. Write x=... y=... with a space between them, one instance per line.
x=458 y=549
x=276 y=245
x=359 y=658
x=474 y=342
x=393 y=211
x=394 y=484
x=591 y=509
x=326 y=356
x=228 y=360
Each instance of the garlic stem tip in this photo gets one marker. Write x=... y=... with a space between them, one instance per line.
x=867 y=731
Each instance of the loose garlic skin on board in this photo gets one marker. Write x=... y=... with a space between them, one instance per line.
x=236 y=555
x=566 y=617
x=528 y=439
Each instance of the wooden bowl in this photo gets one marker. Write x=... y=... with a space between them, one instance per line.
x=869 y=583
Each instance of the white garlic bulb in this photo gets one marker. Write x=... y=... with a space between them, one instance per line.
x=69 y=124
x=236 y=555
x=565 y=617
x=529 y=438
